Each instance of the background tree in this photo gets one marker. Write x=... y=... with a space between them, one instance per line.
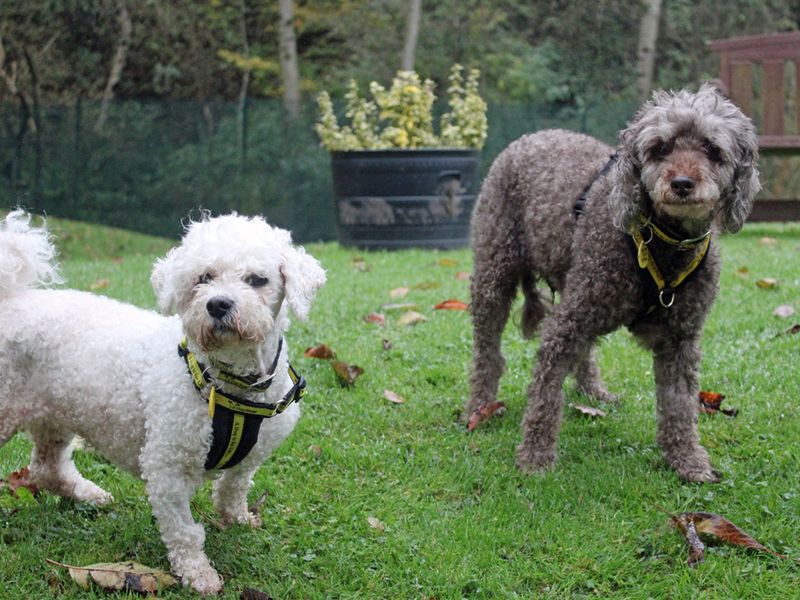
x=412 y=32
x=646 y=51
x=288 y=58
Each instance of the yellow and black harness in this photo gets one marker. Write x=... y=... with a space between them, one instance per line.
x=658 y=290
x=236 y=421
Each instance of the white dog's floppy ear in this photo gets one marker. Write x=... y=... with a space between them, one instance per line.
x=164 y=288
x=302 y=277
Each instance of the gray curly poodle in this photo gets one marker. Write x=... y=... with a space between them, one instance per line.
x=625 y=238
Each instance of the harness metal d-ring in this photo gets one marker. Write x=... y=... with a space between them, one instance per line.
x=662 y=302
x=650 y=230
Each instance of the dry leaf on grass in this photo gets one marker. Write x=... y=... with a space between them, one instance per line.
x=462 y=276
x=21 y=479
x=320 y=351
x=768 y=241
x=589 y=410
x=251 y=594
x=427 y=285
x=447 y=262
x=451 y=304
x=794 y=329
x=359 y=264
x=411 y=317
x=376 y=523
x=346 y=374
x=129 y=576
x=400 y=292
x=387 y=345
x=484 y=413
x=742 y=272
x=767 y=283
x=99 y=284
x=784 y=311
x=376 y=318
x=393 y=397
x=710 y=402
x=716 y=527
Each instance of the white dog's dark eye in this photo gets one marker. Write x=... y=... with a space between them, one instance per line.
x=205 y=278
x=256 y=281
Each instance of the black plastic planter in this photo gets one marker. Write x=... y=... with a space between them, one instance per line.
x=396 y=199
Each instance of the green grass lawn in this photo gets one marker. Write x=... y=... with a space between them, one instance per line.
x=456 y=519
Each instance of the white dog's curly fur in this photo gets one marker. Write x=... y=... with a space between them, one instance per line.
x=76 y=363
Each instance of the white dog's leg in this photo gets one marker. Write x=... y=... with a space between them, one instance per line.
x=170 y=494
x=51 y=468
x=230 y=498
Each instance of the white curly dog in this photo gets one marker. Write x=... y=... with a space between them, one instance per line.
x=141 y=388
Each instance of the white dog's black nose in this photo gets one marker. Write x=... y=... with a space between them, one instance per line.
x=682 y=185
x=219 y=306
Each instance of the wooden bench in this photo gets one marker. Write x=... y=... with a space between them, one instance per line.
x=743 y=62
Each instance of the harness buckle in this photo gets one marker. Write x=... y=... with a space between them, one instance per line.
x=669 y=293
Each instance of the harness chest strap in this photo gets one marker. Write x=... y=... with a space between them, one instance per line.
x=666 y=291
x=236 y=421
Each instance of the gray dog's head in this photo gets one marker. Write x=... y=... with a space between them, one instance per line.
x=688 y=157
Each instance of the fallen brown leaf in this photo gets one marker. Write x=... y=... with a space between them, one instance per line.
x=767 y=283
x=256 y=508
x=251 y=594
x=376 y=318
x=400 y=292
x=451 y=304
x=447 y=262
x=393 y=397
x=784 y=311
x=129 y=576
x=742 y=272
x=320 y=351
x=462 y=276
x=347 y=374
x=710 y=402
x=484 y=413
x=694 y=524
x=359 y=264
x=411 y=318
x=376 y=523
x=768 y=241
x=427 y=285
x=589 y=410
x=387 y=345
x=99 y=284
x=794 y=329
x=21 y=479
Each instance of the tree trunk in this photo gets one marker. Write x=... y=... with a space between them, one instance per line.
x=646 y=52
x=241 y=133
x=288 y=59
x=120 y=56
x=412 y=32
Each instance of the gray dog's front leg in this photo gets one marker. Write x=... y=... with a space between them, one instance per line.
x=675 y=366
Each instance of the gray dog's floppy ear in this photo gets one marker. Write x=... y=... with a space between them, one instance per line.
x=302 y=277
x=166 y=295
x=737 y=199
x=626 y=198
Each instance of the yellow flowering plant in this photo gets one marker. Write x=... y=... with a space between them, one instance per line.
x=402 y=116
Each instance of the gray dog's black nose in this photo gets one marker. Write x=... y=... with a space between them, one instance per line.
x=682 y=185
x=219 y=306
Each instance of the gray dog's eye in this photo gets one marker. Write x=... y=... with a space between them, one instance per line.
x=205 y=278
x=256 y=281
x=712 y=152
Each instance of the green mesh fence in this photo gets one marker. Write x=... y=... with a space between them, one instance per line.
x=156 y=162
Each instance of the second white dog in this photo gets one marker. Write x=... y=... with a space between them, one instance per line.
x=173 y=399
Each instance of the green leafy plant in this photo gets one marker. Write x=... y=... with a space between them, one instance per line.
x=402 y=116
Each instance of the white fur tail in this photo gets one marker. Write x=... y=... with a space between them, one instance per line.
x=27 y=255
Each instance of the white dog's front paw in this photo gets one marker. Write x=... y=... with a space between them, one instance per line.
x=207 y=584
x=245 y=518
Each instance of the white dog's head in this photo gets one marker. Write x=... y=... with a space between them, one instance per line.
x=228 y=278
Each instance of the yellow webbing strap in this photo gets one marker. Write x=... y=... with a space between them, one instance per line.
x=237 y=428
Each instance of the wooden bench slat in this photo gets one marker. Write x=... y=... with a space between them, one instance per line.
x=773 y=97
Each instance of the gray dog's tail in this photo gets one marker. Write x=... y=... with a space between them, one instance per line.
x=27 y=255
x=534 y=309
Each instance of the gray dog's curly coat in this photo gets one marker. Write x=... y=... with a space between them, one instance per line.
x=685 y=164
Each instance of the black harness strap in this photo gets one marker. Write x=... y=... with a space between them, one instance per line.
x=236 y=421
x=580 y=203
